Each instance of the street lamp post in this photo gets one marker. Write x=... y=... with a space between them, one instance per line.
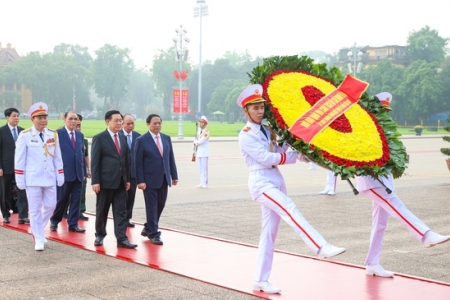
x=180 y=55
x=200 y=10
x=355 y=56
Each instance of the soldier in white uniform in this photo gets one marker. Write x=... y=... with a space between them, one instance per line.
x=383 y=205
x=38 y=168
x=202 y=154
x=266 y=184
x=330 y=184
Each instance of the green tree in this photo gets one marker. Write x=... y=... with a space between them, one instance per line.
x=422 y=89
x=141 y=92
x=427 y=45
x=386 y=77
x=445 y=79
x=111 y=70
x=82 y=78
x=220 y=94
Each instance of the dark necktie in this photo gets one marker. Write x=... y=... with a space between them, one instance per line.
x=15 y=134
x=264 y=132
x=116 y=141
x=72 y=139
x=42 y=136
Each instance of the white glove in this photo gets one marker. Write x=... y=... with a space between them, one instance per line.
x=20 y=187
x=195 y=143
x=60 y=183
x=303 y=158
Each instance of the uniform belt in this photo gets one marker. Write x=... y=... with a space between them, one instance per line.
x=260 y=167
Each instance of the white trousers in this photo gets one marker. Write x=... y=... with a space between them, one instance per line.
x=203 y=170
x=276 y=205
x=330 y=184
x=41 y=204
x=383 y=205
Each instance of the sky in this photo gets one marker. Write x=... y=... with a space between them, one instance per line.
x=261 y=27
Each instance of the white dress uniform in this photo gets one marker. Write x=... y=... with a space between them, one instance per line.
x=266 y=184
x=38 y=168
x=330 y=184
x=267 y=187
x=202 y=154
x=383 y=205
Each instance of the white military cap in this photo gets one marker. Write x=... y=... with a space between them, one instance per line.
x=38 y=109
x=204 y=120
x=385 y=99
x=252 y=94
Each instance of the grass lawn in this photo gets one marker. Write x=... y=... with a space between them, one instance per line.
x=92 y=127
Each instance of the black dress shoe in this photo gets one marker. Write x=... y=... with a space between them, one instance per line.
x=83 y=217
x=77 y=229
x=24 y=221
x=129 y=224
x=156 y=240
x=126 y=244
x=145 y=232
x=53 y=227
x=98 y=241
x=6 y=220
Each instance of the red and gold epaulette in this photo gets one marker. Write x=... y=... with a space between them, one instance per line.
x=26 y=130
x=246 y=129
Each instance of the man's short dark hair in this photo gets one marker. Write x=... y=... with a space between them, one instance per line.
x=108 y=115
x=151 y=116
x=80 y=117
x=10 y=110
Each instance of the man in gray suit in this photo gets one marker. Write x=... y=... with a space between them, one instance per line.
x=155 y=172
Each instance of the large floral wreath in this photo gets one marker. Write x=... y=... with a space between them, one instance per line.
x=362 y=141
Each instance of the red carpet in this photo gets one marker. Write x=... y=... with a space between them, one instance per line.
x=230 y=265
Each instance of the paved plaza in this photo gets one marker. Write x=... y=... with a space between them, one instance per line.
x=225 y=211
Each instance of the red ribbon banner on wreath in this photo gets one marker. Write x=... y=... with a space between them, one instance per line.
x=328 y=109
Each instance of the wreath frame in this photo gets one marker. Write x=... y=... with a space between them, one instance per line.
x=398 y=157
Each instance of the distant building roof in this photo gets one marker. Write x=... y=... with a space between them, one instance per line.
x=8 y=55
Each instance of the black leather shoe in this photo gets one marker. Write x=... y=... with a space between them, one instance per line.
x=6 y=220
x=98 y=241
x=24 y=221
x=77 y=229
x=126 y=244
x=53 y=227
x=83 y=217
x=156 y=240
x=145 y=232
x=129 y=224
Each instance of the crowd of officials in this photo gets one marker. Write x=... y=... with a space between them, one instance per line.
x=44 y=173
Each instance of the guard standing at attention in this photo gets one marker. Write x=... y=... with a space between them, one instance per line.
x=202 y=155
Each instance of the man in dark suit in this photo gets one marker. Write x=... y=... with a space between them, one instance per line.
x=109 y=179
x=131 y=136
x=155 y=172
x=8 y=136
x=71 y=143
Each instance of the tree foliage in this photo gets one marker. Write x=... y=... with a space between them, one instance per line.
x=422 y=90
x=112 y=69
x=427 y=45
